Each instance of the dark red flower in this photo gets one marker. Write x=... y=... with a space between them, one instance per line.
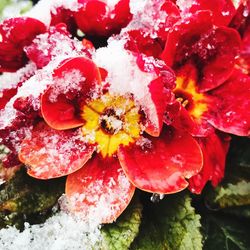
x=15 y=34
x=212 y=50
x=102 y=18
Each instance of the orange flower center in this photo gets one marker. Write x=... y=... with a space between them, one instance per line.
x=186 y=93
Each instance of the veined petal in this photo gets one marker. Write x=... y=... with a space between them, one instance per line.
x=214 y=148
x=50 y=153
x=99 y=190
x=231 y=114
x=60 y=104
x=160 y=165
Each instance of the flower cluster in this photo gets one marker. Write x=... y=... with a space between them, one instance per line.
x=124 y=94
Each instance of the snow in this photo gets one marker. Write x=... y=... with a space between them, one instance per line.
x=70 y=81
x=60 y=232
x=185 y=4
x=105 y=197
x=124 y=75
x=10 y=80
x=15 y=8
x=43 y=9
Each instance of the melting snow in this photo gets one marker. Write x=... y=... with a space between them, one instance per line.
x=60 y=232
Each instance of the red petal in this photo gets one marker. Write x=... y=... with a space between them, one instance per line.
x=98 y=19
x=50 y=153
x=214 y=149
x=222 y=10
x=231 y=114
x=160 y=165
x=218 y=69
x=159 y=102
x=178 y=117
x=60 y=104
x=61 y=114
x=99 y=190
x=212 y=50
x=15 y=34
x=185 y=32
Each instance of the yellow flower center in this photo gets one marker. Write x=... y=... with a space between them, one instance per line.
x=190 y=98
x=111 y=121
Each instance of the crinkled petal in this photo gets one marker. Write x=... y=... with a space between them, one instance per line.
x=214 y=148
x=161 y=165
x=50 y=153
x=231 y=114
x=60 y=104
x=100 y=190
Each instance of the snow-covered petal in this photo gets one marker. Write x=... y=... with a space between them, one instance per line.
x=73 y=81
x=99 y=190
x=50 y=153
x=16 y=33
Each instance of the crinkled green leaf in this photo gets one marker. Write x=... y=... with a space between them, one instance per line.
x=226 y=233
x=228 y=195
x=170 y=224
x=122 y=233
x=23 y=197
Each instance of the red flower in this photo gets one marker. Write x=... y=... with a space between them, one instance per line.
x=102 y=18
x=211 y=49
x=83 y=117
x=15 y=34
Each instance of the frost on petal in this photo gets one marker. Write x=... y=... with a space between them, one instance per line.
x=9 y=82
x=50 y=153
x=231 y=114
x=99 y=190
x=214 y=148
x=153 y=18
x=222 y=10
x=73 y=82
x=54 y=43
x=160 y=165
x=15 y=34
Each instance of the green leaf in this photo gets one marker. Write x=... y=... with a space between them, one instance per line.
x=122 y=233
x=170 y=224
x=226 y=233
x=24 y=197
x=229 y=195
x=12 y=8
